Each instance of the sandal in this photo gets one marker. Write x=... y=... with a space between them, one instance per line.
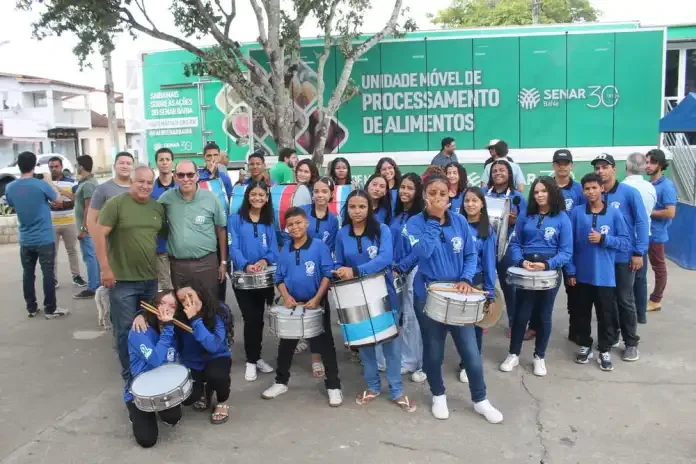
x=318 y=369
x=366 y=397
x=201 y=404
x=220 y=417
x=405 y=404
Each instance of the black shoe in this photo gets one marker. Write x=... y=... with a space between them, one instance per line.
x=584 y=355
x=84 y=295
x=631 y=354
x=604 y=361
x=78 y=281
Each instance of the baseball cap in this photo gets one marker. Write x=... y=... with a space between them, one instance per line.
x=607 y=158
x=492 y=143
x=562 y=155
x=658 y=156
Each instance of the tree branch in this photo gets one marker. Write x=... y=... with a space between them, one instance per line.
x=386 y=30
x=141 y=6
x=263 y=36
x=228 y=17
x=326 y=52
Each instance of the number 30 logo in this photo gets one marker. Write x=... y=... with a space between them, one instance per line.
x=606 y=96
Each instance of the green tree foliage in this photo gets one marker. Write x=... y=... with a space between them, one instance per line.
x=487 y=13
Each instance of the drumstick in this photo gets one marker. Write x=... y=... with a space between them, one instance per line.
x=454 y=290
x=149 y=308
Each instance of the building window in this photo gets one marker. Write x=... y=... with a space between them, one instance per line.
x=690 y=77
x=672 y=73
x=39 y=99
x=84 y=146
x=4 y=101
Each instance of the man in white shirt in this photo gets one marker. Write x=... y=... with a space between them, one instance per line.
x=635 y=167
x=500 y=151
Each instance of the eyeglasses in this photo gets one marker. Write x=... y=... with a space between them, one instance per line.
x=184 y=175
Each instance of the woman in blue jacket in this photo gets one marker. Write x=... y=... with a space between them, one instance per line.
x=444 y=250
x=152 y=344
x=456 y=175
x=543 y=241
x=377 y=189
x=409 y=203
x=501 y=185
x=364 y=247
x=387 y=168
x=253 y=248
x=205 y=351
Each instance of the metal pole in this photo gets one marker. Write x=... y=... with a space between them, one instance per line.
x=111 y=107
x=536 y=9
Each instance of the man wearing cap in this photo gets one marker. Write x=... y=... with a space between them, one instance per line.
x=447 y=154
x=635 y=168
x=665 y=210
x=500 y=151
x=562 y=163
x=627 y=200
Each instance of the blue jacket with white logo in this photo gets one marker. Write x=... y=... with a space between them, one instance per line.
x=149 y=350
x=367 y=256
x=302 y=269
x=486 y=261
x=443 y=252
x=202 y=345
x=157 y=192
x=456 y=203
x=593 y=263
x=396 y=227
x=550 y=236
x=573 y=195
x=666 y=196
x=249 y=242
x=381 y=215
x=628 y=200
x=321 y=229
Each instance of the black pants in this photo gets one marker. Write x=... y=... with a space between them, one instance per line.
x=581 y=316
x=625 y=317
x=322 y=344
x=252 y=303
x=214 y=378
x=570 y=296
x=145 y=428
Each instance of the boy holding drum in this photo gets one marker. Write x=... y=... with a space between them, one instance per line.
x=303 y=277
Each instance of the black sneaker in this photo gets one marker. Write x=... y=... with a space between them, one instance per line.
x=33 y=314
x=604 y=361
x=78 y=281
x=84 y=295
x=584 y=355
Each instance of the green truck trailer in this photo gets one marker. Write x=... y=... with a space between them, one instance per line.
x=592 y=88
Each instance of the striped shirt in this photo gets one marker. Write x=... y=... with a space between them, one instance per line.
x=65 y=214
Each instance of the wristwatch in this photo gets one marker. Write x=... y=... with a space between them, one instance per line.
x=223 y=262
x=83 y=229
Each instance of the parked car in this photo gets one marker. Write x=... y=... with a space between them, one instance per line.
x=11 y=172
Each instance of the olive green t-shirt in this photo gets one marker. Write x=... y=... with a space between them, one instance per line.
x=132 y=243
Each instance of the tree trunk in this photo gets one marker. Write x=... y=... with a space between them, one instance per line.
x=111 y=107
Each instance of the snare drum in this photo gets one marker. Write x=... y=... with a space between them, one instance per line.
x=364 y=310
x=297 y=323
x=253 y=280
x=531 y=280
x=161 y=388
x=285 y=196
x=453 y=308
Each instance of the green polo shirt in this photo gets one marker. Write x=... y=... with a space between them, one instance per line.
x=192 y=223
x=281 y=173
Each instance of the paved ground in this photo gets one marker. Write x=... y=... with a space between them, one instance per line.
x=60 y=401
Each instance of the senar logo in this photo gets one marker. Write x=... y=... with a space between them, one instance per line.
x=529 y=98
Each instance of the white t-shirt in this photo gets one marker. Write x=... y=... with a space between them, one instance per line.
x=64 y=215
x=517 y=174
x=647 y=193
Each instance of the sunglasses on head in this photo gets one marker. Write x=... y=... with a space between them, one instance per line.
x=184 y=175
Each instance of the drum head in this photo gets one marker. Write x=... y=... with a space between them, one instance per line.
x=283 y=311
x=492 y=314
x=159 y=380
x=527 y=273
x=455 y=295
x=302 y=196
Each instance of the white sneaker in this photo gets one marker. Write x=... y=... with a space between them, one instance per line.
x=539 y=366
x=264 y=367
x=274 y=390
x=335 y=397
x=439 y=408
x=59 y=312
x=250 y=374
x=463 y=378
x=419 y=376
x=382 y=368
x=510 y=363
x=486 y=409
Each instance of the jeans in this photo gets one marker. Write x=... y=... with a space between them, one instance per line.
x=214 y=378
x=410 y=336
x=322 y=344
x=625 y=317
x=465 y=341
x=581 y=316
x=509 y=291
x=125 y=300
x=252 y=303
x=656 y=254
x=392 y=355
x=528 y=302
x=46 y=256
x=89 y=257
x=145 y=428
x=640 y=291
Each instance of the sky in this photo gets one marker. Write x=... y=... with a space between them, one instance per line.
x=53 y=58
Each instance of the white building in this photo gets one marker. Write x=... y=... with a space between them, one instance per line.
x=41 y=115
x=95 y=141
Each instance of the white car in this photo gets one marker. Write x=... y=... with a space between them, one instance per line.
x=11 y=172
